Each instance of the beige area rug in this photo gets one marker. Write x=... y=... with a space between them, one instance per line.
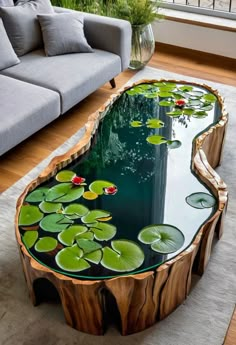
x=201 y=320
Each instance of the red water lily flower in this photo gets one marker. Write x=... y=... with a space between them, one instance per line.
x=77 y=180
x=180 y=102
x=110 y=190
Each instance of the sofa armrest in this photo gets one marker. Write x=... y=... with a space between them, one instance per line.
x=110 y=34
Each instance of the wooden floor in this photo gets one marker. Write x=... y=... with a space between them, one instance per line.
x=20 y=160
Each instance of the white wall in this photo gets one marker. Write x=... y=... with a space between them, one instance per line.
x=196 y=37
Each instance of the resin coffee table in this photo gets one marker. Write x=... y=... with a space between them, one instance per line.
x=118 y=223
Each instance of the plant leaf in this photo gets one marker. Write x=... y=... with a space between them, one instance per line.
x=173 y=144
x=124 y=256
x=45 y=244
x=95 y=215
x=156 y=139
x=164 y=238
x=103 y=231
x=29 y=215
x=37 y=195
x=69 y=235
x=70 y=259
x=65 y=176
x=201 y=200
x=64 y=192
x=29 y=238
x=99 y=185
x=166 y=103
x=75 y=211
x=88 y=246
x=155 y=123
x=50 y=207
x=136 y=124
x=55 y=222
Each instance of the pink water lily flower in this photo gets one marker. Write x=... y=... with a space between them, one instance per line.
x=110 y=190
x=77 y=180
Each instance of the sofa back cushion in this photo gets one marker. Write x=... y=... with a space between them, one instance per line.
x=22 y=26
x=8 y=57
x=63 y=33
x=6 y=3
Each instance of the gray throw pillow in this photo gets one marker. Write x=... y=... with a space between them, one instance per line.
x=6 y=3
x=8 y=57
x=63 y=33
x=22 y=26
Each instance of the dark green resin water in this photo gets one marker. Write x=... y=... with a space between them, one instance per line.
x=153 y=181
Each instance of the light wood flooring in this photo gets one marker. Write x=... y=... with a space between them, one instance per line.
x=17 y=162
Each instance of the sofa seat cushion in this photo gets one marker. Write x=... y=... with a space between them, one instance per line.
x=25 y=108
x=73 y=76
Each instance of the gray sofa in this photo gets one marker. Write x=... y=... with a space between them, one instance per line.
x=37 y=90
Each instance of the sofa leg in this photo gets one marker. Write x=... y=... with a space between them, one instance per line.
x=113 y=83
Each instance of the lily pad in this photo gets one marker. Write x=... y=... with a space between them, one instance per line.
x=88 y=246
x=164 y=238
x=50 y=207
x=89 y=235
x=103 y=231
x=37 y=195
x=124 y=256
x=136 y=124
x=29 y=238
x=64 y=192
x=188 y=111
x=68 y=236
x=155 y=123
x=75 y=211
x=94 y=257
x=55 y=222
x=45 y=244
x=210 y=98
x=71 y=259
x=65 y=176
x=88 y=195
x=99 y=185
x=201 y=200
x=175 y=113
x=173 y=144
x=186 y=88
x=165 y=94
x=166 y=103
x=29 y=215
x=95 y=215
x=156 y=139
x=200 y=114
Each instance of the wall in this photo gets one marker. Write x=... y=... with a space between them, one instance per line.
x=196 y=37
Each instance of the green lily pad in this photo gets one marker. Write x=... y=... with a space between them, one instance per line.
x=175 y=113
x=94 y=257
x=156 y=139
x=164 y=238
x=194 y=102
x=151 y=95
x=37 y=195
x=207 y=107
x=71 y=259
x=173 y=144
x=165 y=94
x=64 y=192
x=68 y=236
x=89 y=235
x=99 y=185
x=95 y=215
x=186 y=88
x=200 y=114
x=103 y=231
x=29 y=238
x=65 y=176
x=45 y=244
x=50 y=207
x=188 y=111
x=210 y=98
x=166 y=103
x=136 y=124
x=55 y=222
x=201 y=200
x=155 y=123
x=196 y=93
x=88 y=246
x=124 y=256
x=29 y=215
x=75 y=211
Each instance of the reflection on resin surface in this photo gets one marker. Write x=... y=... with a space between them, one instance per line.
x=131 y=202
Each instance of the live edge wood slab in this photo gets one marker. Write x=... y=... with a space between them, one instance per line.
x=145 y=298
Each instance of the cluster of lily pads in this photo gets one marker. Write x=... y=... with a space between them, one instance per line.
x=156 y=139
x=182 y=100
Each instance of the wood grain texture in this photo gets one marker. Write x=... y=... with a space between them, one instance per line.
x=144 y=298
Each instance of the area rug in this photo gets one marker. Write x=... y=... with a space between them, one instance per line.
x=201 y=320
